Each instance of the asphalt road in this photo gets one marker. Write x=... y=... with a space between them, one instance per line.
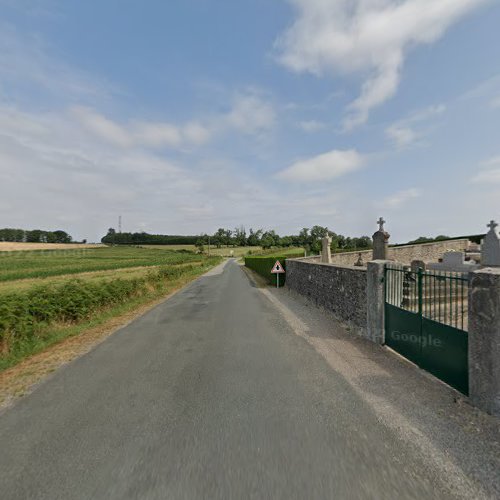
x=210 y=395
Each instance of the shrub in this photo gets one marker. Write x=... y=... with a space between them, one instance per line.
x=264 y=264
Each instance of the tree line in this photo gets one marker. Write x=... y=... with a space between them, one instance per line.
x=34 y=236
x=115 y=238
x=308 y=238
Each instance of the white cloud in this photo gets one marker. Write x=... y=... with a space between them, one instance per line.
x=488 y=89
x=311 y=126
x=250 y=114
x=102 y=127
x=490 y=173
x=404 y=132
x=401 y=135
x=488 y=176
x=53 y=172
x=196 y=133
x=365 y=37
x=401 y=197
x=495 y=102
x=323 y=167
x=156 y=134
x=140 y=133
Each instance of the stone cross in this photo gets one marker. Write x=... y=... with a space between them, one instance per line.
x=381 y=242
x=490 y=247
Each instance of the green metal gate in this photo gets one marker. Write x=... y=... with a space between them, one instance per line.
x=426 y=320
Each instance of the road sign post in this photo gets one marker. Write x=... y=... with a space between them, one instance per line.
x=277 y=270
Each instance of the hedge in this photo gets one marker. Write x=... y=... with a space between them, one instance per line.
x=263 y=266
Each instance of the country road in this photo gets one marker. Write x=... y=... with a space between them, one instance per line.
x=211 y=395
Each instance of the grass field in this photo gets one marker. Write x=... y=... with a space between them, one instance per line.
x=230 y=252
x=46 y=296
x=41 y=264
x=221 y=252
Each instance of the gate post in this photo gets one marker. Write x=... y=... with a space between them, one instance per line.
x=484 y=339
x=375 y=297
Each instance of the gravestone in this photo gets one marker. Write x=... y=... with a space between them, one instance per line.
x=490 y=247
x=359 y=262
x=418 y=264
x=454 y=262
x=381 y=242
x=326 y=252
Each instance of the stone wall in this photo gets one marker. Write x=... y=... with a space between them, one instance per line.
x=349 y=258
x=339 y=289
x=428 y=252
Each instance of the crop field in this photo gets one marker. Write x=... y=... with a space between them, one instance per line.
x=231 y=252
x=41 y=263
x=43 y=294
x=222 y=252
x=7 y=246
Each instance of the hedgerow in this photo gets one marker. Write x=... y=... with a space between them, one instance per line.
x=264 y=264
x=25 y=315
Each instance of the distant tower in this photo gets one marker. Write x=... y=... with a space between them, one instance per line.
x=120 y=224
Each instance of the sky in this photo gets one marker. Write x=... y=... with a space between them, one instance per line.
x=189 y=115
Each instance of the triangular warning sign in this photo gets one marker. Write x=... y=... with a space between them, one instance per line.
x=278 y=268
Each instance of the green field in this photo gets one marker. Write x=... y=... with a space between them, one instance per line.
x=40 y=264
x=230 y=251
x=44 y=294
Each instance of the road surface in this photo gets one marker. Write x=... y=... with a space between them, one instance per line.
x=211 y=395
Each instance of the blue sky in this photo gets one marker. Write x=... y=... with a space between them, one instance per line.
x=187 y=115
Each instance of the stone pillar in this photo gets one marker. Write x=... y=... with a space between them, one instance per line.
x=381 y=242
x=484 y=340
x=490 y=247
x=375 y=296
x=326 y=253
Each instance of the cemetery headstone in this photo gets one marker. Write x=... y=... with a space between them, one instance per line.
x=359 y=262
x=490 y=247
x=381 y=242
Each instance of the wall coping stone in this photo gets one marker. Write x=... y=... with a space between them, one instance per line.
x=340 y=266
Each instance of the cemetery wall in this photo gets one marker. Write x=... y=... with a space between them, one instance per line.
x=428 y=252
x=339 y=289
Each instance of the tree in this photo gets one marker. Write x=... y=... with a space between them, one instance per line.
x=286 y=241
x=254 y=237
x=267 y=241
x=200 y=245
x=33 y=236
x=315 y=237
x=304 y=237
x=364 y=242
x=219 y=237
x=62 y=237
x=240 y=236
x=227 y=237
